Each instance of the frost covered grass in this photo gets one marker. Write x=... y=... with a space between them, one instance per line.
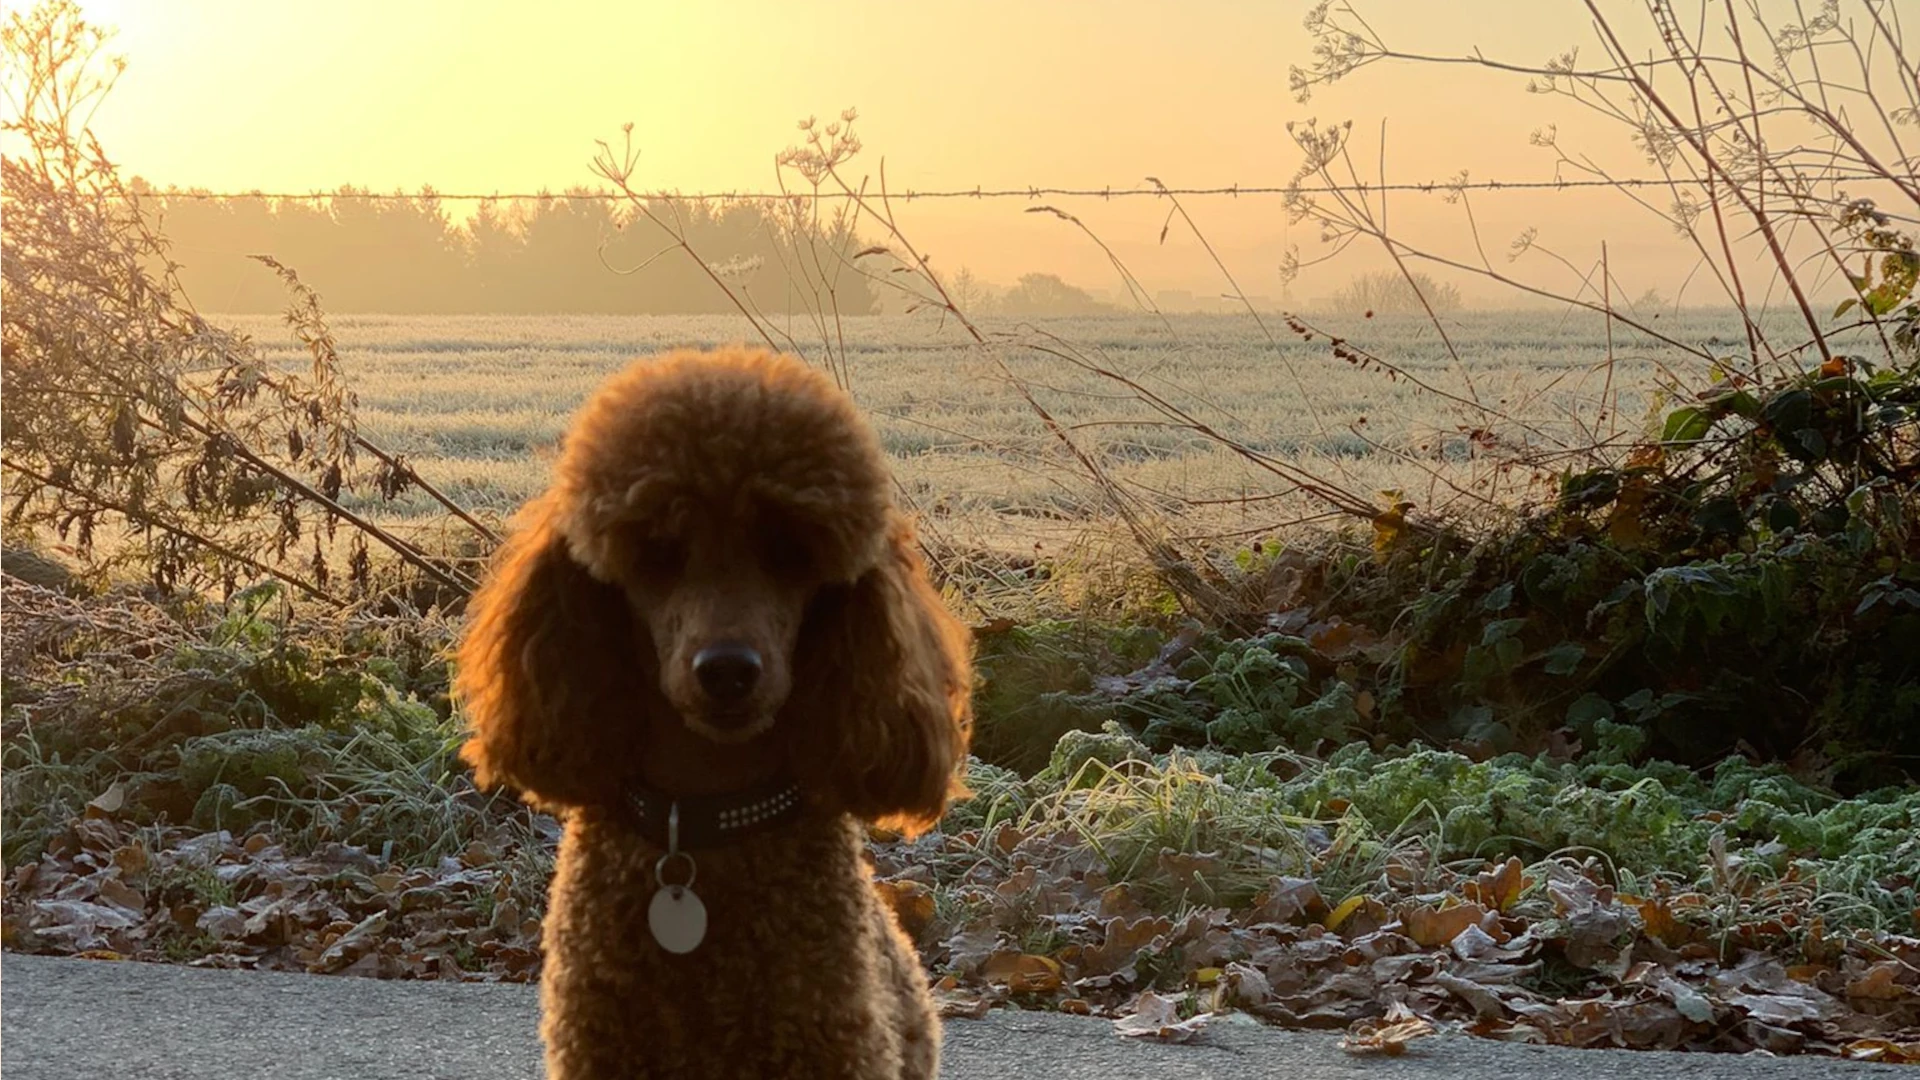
x=478 y=403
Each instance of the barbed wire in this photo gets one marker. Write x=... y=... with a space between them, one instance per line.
x=1234 y=190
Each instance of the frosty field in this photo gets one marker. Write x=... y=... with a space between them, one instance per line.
x=478 y=404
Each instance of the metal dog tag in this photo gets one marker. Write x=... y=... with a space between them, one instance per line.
x=678 y=919
x=676 y=916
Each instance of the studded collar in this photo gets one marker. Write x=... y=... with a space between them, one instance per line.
x=706 y=821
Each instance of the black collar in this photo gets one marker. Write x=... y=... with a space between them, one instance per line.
x=711 y=820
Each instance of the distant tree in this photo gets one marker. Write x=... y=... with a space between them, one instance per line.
x=1047 y=294
x=970 y=294
x=492 y=242
x=1388 y=292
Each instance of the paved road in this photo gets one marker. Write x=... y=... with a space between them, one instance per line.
x=82 y=1020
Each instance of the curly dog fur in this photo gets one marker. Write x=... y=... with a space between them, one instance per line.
x=732 y=497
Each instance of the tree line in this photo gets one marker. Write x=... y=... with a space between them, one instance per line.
x=406 y=254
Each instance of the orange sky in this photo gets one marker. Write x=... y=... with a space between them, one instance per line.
x=486 y=96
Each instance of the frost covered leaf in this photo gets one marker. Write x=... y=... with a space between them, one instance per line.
x=955 y=1003
x=353 y=945
x=1157 y=1017
x=1291 y=899
x=108 y=802
x=1242 y=986
x=1388 y=1034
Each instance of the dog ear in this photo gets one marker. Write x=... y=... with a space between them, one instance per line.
x=553 y=674
x=884 y=694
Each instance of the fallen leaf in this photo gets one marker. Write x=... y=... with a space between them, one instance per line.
x=1877 y=983
x=1241 y=985
x=1780 y=1010
x=970 y=947
x=1388 y=1034
x=351 y=945
x=1486 y=1004
x=222 y=923
x=1124 y=940
x=1024 y=973
x=1158 y=1017
x=1340 y=914
x=1498 y=888
x=1659 y=922
x=108 y=802
x=960 y=1004
x=1433 y=927
x=1883 y=1050
x=1290 y=899
x=121 y=895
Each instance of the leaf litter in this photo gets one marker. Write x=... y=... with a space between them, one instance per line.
x=1029 y=916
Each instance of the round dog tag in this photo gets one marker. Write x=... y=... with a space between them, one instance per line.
x=677 y=918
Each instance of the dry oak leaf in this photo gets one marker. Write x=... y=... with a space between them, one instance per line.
x=121 y=895
x=1158 y=1017
x=1124 y=940
x=1289 y=899
x=1387 y=1034
x=1498 y=888
x=1659 y=921
x=1877 y=983
x=1433 y=927
x=1241 y=985
x=970 y=947
x=1024 y=973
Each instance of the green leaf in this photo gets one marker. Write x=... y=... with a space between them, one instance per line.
x=1789 y=411
x=1564 y=658
x=1743 y=404
x=1687 y=424
x=1810 y=444
x=1588 y=708
x=1500 y=630
x=1782 y=515
x=1499 y=598
x=1595 y=488
x=1720 y=516
x=1845 y=306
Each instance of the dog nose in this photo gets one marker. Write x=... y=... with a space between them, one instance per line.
x=727 y=672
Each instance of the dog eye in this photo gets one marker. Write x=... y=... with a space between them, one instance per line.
x=659 y=556
x=785 y=556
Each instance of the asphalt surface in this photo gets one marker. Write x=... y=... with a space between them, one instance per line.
x=64 y=1019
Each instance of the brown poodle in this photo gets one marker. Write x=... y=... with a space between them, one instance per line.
x=712 y=646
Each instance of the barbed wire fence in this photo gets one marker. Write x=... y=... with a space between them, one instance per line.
x=977 y=192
